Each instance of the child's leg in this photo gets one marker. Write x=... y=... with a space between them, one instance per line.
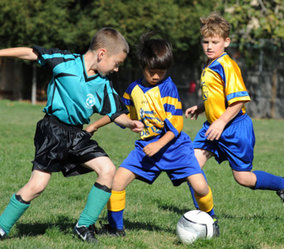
x=192 y=191
x=116 y=204
x=100 y=191
x=202 y=193
x=259 y=180
x=20 y=201
x=202 y=156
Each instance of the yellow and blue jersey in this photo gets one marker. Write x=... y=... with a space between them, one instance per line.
x=72 y=95
x=222 y=84
x=158 y=107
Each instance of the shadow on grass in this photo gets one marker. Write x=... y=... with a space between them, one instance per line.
x=136 y=226
x=63 y=223
x=175 y=209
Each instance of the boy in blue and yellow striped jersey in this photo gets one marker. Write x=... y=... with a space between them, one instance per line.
x=162 y=146
x=79 y=87
x=228 y=132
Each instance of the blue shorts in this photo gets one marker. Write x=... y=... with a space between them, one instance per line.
x=177 y=159
x=235 y=144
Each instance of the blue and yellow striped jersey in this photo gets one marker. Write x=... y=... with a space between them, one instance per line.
x=158 y=107
x=222 y=84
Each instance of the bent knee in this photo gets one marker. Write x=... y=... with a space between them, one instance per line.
x=107 y=172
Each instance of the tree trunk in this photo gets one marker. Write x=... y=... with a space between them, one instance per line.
x=34 y=85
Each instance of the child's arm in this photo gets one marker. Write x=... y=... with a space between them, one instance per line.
x=97 y=124
x=194 y=111
x=20 y=52
x=152 y=148
x=125 y=121
x=216 y=128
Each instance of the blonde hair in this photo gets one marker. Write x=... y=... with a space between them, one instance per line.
x=110 y=39
x=213 y=25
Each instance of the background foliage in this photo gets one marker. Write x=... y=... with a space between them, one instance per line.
x=71 y=24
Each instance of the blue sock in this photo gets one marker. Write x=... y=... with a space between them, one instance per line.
x=12 y=213
x=115 y=219
x=192 y=191
x=268 y=181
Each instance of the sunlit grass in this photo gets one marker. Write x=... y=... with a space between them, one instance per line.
x=248 y=219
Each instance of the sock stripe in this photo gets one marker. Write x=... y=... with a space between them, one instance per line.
x=102 y=187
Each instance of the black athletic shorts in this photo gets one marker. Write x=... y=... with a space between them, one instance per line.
x=62 y=147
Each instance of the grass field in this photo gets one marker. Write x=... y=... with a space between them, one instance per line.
x=248 y=219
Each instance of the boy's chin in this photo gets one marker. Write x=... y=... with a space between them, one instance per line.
x=103 y=74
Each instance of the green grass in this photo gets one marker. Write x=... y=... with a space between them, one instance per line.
x=248 y=219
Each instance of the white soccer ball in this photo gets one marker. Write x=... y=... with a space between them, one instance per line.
x=193 y=225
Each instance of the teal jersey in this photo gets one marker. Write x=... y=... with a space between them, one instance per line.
x=72 y=95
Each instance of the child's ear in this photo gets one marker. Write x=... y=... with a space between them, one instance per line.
x=227 y=42
x=101 y=53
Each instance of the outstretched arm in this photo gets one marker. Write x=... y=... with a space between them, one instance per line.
x=123 y=120
x=133 y=125
x=97 y=124
x=19 y=52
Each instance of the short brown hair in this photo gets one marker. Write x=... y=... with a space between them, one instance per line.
x=213 y=25
x=111 y=39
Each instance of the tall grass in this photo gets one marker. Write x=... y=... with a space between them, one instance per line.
x=248 y=219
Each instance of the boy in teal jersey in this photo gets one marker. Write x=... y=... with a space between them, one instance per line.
x=79 y=87
x=162 y=146
x=228 y=132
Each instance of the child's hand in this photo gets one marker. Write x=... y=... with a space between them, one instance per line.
x=136 y=126
x=91 y=129
x=194 y=111
x=152 y=148
x=215 y=130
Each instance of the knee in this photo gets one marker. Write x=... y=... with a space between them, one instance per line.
x=107 y=172
x=201 y=189
x=245 y=179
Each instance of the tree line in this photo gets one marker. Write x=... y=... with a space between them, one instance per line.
x=70 y=24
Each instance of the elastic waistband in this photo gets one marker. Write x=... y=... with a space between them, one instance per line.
x=59 y=122
x=236 y=119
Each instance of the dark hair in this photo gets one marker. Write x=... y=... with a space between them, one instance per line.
x=154 y=53
x=111 y=39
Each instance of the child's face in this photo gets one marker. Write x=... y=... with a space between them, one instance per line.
x=110 y=63
x=154 y=76
x=214 y=46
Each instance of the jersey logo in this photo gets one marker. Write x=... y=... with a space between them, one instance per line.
x=90 y=101
x=204 y=89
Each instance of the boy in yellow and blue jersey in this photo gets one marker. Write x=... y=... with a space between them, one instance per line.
x=228 y=133
x=162 y=146
x=79 y=87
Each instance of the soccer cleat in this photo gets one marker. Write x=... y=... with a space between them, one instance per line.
x=280 y=193
x=2 y=234
x=85 y=233
x=112 y=231
x=216 y=230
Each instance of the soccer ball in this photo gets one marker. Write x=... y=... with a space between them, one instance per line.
x=193 y=225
